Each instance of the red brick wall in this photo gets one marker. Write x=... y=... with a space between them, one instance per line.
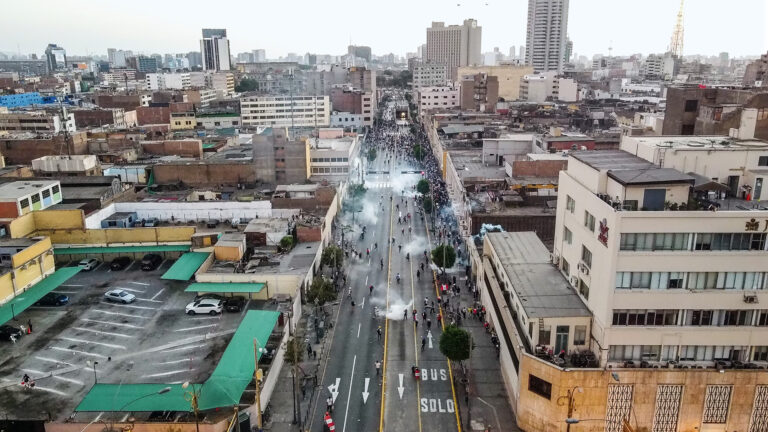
x=8 y=210
x=228 y=174
x=346 y=101
x=542 y=168
x=182 y=107
x=153 y=115
x=308 y=234
x=185 y=148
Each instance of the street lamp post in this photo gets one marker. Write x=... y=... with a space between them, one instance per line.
x=93 y=364
x=571 y=401
x=257 y=377
x=192 y=397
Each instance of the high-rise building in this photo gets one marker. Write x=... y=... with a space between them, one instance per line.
x=360 y=51
x=55 y=58
x=568 y=50
x=454 y=45
x=147 y=64
x=547 y=32
x=215 y=50
x=259 y=55
x=195 y=59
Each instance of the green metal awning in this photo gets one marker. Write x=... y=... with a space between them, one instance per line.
x=32 y=294
x=119 y=249
x=224 y=388
x=225 y=287
x=186 y=266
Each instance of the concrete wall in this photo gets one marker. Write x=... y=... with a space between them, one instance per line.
x=509 y=77
x=202 y=173
x=153 y=115
x=188 y=148
x=23 y=151
x=541 y=168
x=190 y=211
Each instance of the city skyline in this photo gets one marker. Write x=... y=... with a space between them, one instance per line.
x=504 y=25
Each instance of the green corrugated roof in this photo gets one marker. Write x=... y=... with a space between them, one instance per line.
x=186 y=266
x=207 y=146
x=32 y=294
x=224 y=388
x=225 y=287
x=120 y=249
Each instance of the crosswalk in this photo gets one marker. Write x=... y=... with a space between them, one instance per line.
x=378 y=185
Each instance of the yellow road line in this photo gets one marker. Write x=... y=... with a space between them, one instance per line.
x=442 y=325
x=386 y=320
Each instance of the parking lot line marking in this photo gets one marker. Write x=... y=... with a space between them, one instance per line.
x=176 y=372
x=128 y=306
x=50 y=390
x=103 y=332
x=61 y=378
x=71 y=285
x=65 y=292
x=158 y=293
x=148 y=300
x=245 y=308
x=183 y=348
x=125 y=417
x=174 y=361
x=55 y=361
x=118 y=313
x=131 y=290
x=112 y=323
x=129 y=266
x=207 y=317
x=78 y=352
x=139 y=283
x=98 y=417
x=115 y=346
x=195 y=328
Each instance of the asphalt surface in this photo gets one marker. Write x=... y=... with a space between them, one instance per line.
x=393 y=400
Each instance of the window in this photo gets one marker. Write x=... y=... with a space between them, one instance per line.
x=35 y=198
x=580 y=335
x=762 y=318
x=539 y=386
x=24 y=203
x=567 y=235
x=586 y=256
x=566 y=267
x=762 y=161
x=645 y=317
x=691 y=105
x=46 y=193
x=760 y=353
x=55 y=189
x=700 y=318
x=545 y=335
x=736 y=317
x=762 y=114
x=583 y=289
x=589 y=221
x=570 y=204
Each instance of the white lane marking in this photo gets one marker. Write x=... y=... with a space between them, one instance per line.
x=125 y=417
x=70 y=285
x=112 y=323
x=400 y=388
x=118 y=314
x=85 y=353
x=334 y=389
x=131 y=290
x=358 y=329
x=65 y=292
x=58 y=362
x=218 y=317
x=429 y=337
x=60 y=378
x=161 y=374
x=103 y=332
x=98 y=417
x=115 y=346
x=158 y=293
x=50 y=390
x=139 y=283
x=349 y=393
x=362 y=304
x=365 y=391
x=148 y=300
x=128 y=306
x=175 y=361
x=183 y=348
x=195 y=328
x=366 y=278
x=245 y=308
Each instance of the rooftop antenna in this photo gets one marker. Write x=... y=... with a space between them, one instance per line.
x=610 y=48
x=676 y=43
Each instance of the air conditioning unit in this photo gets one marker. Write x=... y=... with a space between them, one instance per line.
x=583 y=268
x=751 y=299
x=555 y=258
x=574 y=280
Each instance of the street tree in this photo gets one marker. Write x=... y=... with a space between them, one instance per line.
x=332 y=256
x=455 y=343
x=286 y=242
x=418 y=152
x=293 y=351
x=321 y=291
x=371 y=155
x=444 y=256
x=422 y=186
x=427 y=205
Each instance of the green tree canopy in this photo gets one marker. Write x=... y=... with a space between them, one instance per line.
x=293 y=351
x=455 y=343
x=246 y=85
x=427 y=205
x=418 y=151
x=371 y=154
x=332 y=256
x=322 y=290
x=444 y=256
x=422 y=186
x=286 y=242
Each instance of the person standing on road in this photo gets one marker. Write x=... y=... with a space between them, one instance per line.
x=378 y=331
x=405 y=314
x=329 y=404
x=378 y=367
x=429 y=323
x=423 y=343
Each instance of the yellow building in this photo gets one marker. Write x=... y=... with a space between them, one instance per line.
x=183 y=120
x=509 y=77
x=23 y=262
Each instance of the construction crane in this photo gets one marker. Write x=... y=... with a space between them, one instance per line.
x=676 y=44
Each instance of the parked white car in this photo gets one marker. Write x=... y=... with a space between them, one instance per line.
x=205 y=306
x=120 y=296
x=88 y=264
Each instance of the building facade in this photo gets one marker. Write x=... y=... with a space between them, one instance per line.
x=278 y=159
x=454 y=45
x=430 y=74
x=479 y=92
x=546 y=35
x=215 y=50
x=285 y=111
x=437 y=97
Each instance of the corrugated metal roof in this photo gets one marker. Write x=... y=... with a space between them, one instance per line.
x=32 y=294
x=120 y=249
x=225 y=287
x=186 y=266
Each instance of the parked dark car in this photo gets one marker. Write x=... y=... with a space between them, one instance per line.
x=53 y=299
x=120 y=263
x=7 y=331
x=209 y=296
x=234 y=304
x=212 y=223
x=151 y=262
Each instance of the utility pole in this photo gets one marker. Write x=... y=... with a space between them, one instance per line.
x=257 y=379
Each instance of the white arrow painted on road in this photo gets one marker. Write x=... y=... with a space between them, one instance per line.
x=401 y=388
x=429 y=336
x=334 y=389
x=365 y=392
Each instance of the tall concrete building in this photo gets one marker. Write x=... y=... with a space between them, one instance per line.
x=55 y=58
x=215 y=50
x=454 y=45
x=545 y=43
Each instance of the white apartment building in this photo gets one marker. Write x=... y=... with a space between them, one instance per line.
x=214 y=48
x=430 y=74
x=438 y=97
x=454 y=45
x=168 y=81
x=546 y=35
x=222 y=82
x=668 y=284
x=547 y=86
x=284 y=111
x=332 y=158
x=346 y=120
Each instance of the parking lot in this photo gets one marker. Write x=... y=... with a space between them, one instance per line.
x=93 y=340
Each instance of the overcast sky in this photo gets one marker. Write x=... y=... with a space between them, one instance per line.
x=327 y=26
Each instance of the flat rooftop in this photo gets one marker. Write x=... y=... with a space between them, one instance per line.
x=333 y=144
x=542 y=289
x=629 y=169
x=18 y=189
x=709 y=143
x=469 y=164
